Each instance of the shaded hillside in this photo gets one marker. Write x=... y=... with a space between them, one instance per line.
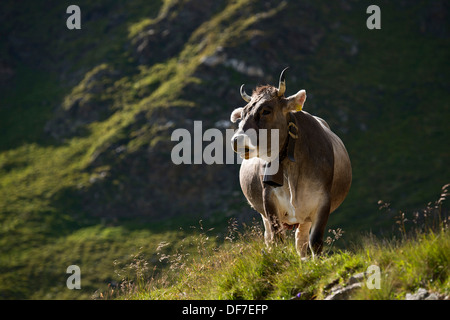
x=86 y=115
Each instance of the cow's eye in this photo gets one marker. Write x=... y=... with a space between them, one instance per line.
x=266 y=112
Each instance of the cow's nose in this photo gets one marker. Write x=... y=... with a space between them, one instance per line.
x=237 y=142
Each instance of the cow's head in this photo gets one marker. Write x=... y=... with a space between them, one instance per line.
x=266 y=108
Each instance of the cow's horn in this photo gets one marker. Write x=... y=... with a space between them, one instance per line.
x=244 y=95
x=282 y=83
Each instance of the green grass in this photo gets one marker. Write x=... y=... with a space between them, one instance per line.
x=245 y=269
x=242 y=267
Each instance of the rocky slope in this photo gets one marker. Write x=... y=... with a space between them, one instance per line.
x=187 y=64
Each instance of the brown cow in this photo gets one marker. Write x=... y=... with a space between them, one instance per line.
x=314 y=173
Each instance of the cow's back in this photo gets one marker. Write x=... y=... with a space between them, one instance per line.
x=342 y=175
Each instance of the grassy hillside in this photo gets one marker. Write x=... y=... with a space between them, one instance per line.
x=86 y=118
x=245 y=269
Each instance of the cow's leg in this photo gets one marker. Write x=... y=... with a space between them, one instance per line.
x=318 y=226
x=271 y=216
x=301 y=239
x=268 y=232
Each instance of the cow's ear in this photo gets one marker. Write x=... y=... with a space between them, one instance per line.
x=296 y=101
x=236 y=114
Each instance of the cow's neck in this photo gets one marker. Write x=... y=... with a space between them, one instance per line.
x=288 y=150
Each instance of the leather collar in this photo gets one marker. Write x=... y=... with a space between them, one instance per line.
x=288 y=149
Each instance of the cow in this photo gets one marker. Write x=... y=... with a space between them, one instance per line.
x=314 y=170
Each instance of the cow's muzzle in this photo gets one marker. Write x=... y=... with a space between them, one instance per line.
x=242 y=145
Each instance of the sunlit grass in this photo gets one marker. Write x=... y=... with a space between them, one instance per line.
x=244 y=268
x=247 y=270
